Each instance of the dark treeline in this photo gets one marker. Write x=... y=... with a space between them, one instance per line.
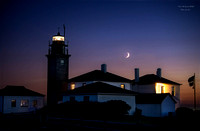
x=98 y=110
x=111 y=115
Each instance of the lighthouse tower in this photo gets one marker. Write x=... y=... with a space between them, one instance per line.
x=58 y=69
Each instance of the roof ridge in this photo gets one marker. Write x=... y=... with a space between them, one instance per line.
x=152 y=78
x=18 y=91
x=98 y=75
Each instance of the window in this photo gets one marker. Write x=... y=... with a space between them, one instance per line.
x=72 y=98
x=72 y=86
x=86 y=98
x=173 y=91
x=13 y=103
x=162 y=89
x=34 y=103
x=84 y=84
x=123 y=86
x=24 y=103
x=62 y=62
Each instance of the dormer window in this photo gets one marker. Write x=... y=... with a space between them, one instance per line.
x=72 y=87
x=123 y=86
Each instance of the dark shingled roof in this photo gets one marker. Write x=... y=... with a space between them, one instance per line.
x=99 y=87
x=151 y=98
x=152 y=79
x=98 y=75
x=18 y=91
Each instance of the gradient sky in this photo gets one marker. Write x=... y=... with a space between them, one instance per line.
x=157 y=34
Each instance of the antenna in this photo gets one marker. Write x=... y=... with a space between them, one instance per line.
x=64 y=29
x=49 y=48
x=67 y=47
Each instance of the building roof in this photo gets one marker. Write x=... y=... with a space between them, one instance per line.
x=99 y=87
x=152 y=98
x=152 y=79
x=98 y=75
x=18 y=91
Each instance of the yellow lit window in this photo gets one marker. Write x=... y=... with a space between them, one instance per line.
x=160 y=88
x=72 y=86
x=123 y=86
x=164 y=88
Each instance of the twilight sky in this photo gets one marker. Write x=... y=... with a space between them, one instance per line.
x=157 y=34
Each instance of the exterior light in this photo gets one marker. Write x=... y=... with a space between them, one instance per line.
x=58 y=38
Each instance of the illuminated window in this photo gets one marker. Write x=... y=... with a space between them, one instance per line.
x=162 y=89
x=13 y=103
x=173 y=91
x=34 y=103
x=24 y=103
x=123 y=86
x=58 y=38
x=72 y=86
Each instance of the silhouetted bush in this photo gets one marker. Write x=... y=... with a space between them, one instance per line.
x=184 y=112
x=90 y=109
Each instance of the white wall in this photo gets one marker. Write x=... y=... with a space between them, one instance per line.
x=80 y=98
x=150 y=110
x=117 y=84
x=7 y=103
x=144 y=88
x=167 y=106
x=130 y=100
x=79 y=84
x=158 y=110
x=152 y=89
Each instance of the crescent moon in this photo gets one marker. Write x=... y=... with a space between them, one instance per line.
x=128 y=55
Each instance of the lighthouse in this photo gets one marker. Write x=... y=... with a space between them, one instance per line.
x=58 y=69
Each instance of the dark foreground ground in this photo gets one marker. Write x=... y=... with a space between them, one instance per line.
x=184 y=120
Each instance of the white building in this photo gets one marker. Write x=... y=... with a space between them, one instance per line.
x=156 y=84
x=155 y=105
x=148 y=87
x=100 y=76
x=101 y=92
x=18 y=99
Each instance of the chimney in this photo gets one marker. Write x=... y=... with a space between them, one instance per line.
x=136 y=74
x=104 y=68
x=158 y=73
